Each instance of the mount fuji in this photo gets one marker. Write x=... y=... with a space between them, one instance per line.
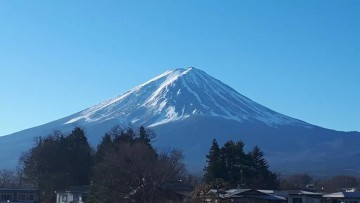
x=187 y=108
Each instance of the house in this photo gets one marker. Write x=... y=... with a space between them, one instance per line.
x=300 y=196
x=19 y=195
x=342 y=197
x=175 y=191
x=250 y=196
x=73 y=194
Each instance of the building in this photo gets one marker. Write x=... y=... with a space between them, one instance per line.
x=73 y=194
x=250 y=196
x=342 y=197
x=175 y=192
x=19 y=195
x=300 y=196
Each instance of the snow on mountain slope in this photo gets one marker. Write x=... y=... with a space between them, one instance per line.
x=178 y=94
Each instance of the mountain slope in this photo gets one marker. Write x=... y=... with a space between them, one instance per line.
x=179 y=94
x=188 y=108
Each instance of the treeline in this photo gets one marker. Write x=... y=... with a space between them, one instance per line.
x=124 y=165
x=230 y=166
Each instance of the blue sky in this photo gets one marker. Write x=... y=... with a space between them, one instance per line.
x=300 y=58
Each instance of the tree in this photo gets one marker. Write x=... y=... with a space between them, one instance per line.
x=56 y=162
x=105 y=143
x=41 y=166
x=79 y=157
x=131 y=168
x=236 y=163
x=340 y=182
x=144 y=136
x=296 y=182
x=215 y=168
x=262 y=177
x=6 y=178
x=229 y=166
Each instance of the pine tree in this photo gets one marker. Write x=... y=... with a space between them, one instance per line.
x=103 y=148
x=236 y=163
x=262 y=177
x=80 y=159
x=144 y=136
x=215 y=168
x=229 y=166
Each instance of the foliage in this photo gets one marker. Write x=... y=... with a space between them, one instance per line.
x=216 y=165
x=128 y=167
x=57 y=161
x=230 y=167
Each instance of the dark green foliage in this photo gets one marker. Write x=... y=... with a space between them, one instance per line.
x=262 y=177
x=144 y=136
x=230 y=167
x=216 y=165
x=79 y=158
x=235 y=163
x=105 y=144
x=57 y=161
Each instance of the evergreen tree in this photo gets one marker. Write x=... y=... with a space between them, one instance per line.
x=119 y=136
x=258 y=162
x=236 y=162
x=80 y=159
x=229 y=166
x=262 y=177
x=144 y=136
x=104 y=146
x=215 y=169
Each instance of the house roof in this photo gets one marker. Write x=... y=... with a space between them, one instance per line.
x=178 y=187
x=258 y=194
x=85 y=189
x=18 y=190
x=343 y=195
x=298 y=192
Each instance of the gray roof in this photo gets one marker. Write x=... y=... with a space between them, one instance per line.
x=297 y=192
x=343 y=195
x=257 y=194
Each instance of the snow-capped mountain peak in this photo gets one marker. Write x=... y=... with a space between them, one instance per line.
x=178 y=94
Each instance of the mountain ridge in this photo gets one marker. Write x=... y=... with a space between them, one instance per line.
x=156 y=101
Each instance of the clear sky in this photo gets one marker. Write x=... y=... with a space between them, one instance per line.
x=300 y=58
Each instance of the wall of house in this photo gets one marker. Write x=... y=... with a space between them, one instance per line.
x=247 y=200
x=18 y=196
x=303 y=199
x=66 y=197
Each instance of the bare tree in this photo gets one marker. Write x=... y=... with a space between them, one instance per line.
x=340 y=182
x=135 y=171
x=296 y=181
x=6 y=178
